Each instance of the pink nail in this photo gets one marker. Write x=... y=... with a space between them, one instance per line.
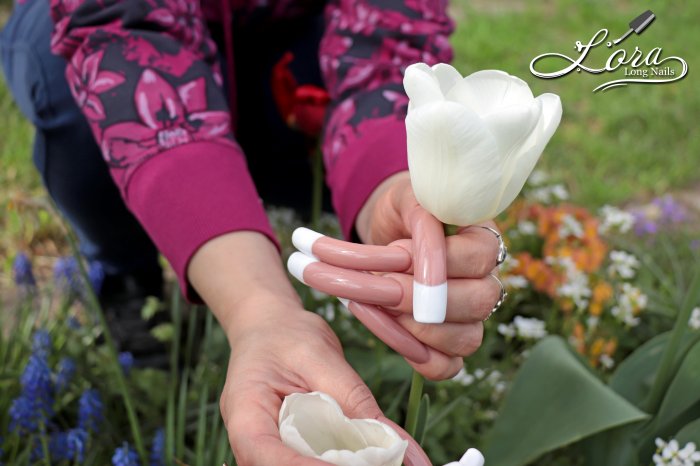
x=351 y=255
x=389 y=331
x=349 y=284
x=429 y=268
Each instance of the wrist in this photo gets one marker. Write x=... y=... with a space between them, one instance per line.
x=241 y=278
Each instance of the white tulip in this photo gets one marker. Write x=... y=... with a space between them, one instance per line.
x=472 y=457
x=473 y=141
x=314 y=425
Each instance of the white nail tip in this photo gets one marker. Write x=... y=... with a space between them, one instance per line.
x=429 y=303
x=473 y=457
x=345 y=302
x=297 y=263
x=303 y=239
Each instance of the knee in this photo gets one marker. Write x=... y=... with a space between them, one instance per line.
x=34 y=75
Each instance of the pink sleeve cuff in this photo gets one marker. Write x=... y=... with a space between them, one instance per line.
x=378 y=152
x=191 y=194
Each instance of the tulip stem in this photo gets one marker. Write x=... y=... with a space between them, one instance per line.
x=317 y=193
x=414 y=398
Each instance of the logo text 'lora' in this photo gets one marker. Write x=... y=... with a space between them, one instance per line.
x=638 y=67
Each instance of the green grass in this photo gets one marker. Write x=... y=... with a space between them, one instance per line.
x=612 y=146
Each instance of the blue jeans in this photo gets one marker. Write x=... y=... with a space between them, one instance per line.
x=65 y=152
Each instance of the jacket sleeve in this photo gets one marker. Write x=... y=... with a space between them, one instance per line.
x=366 y=48
x=144 y=73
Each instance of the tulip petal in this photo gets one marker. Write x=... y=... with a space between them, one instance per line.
x=321 y=423
x=522 y=163
x=314 y=425
x=511 y=126
x=551 y=113
x=454 y=164
x=447 y=76
x=421 y=85
x=490 y=90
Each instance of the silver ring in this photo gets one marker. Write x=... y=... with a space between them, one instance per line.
x=502 y=249
x=501 y=298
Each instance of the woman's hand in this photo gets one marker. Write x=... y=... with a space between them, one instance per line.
x=472 y=293
x=287 y=352
x=277 y=348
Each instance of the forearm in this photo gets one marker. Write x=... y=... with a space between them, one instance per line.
x=234 y=270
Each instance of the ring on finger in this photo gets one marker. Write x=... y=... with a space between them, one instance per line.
x=501 y=298
x=502 y=249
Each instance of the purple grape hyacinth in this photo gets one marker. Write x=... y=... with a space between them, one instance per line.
x=31 y=410
x=158 y=449
x=66 y=275
x=125 y=456
x=41 y=343
x=64 y=373
x=22 y=271
x=126 y=361
x=90 y=410
x=672 y=211
x=68 y=446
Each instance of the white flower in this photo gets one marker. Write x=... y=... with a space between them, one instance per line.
x=606 y=361
x=631 y=300
x=524 y=327
x=507 y=330
x=670 y=453
x=515 y=282
x=529 y=328
x=473 y=141
x=694 y=321
x=570 y=227
x=527 y=227
x=613 y=219
x=472 y=457
x=328 y=312
x=464 y=378
x=314 y=425
x=622 y=264
x=537 y=178
x=576 y=288
x=549 y=194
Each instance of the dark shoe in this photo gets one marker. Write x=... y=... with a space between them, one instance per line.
x=122 y=298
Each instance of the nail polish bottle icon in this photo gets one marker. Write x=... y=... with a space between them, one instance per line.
x=637 y=25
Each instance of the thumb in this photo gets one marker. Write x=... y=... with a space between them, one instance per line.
x=340 y=381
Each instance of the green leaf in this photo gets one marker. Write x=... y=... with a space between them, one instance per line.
x=683 y=393
x=150 y=307
x=689 y=433
x=422 y=418
x=554 y=401
x=685 y=388
x=163 y=332
x=634 y=376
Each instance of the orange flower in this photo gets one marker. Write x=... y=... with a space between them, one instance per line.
x=579 y=337
x=602 y=292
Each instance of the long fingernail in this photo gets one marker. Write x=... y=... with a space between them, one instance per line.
x=389 y=331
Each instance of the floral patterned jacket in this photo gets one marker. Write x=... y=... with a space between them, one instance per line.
x=146 y=76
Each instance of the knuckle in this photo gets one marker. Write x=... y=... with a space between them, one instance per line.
x=471 y=340
x=445 y=371
x=486 y=299
x=360 y=399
